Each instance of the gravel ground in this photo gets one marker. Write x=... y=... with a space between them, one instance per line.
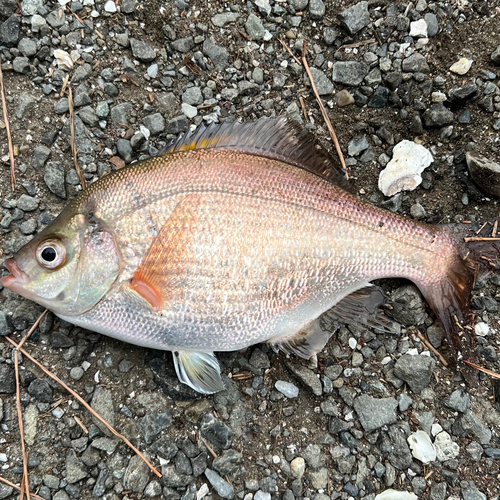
x=141 y=72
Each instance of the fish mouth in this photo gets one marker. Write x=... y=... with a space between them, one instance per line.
x=18 y=279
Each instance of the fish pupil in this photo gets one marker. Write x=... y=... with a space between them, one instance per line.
x=48 y=254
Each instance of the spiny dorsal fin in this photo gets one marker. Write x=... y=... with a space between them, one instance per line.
x=275 y=138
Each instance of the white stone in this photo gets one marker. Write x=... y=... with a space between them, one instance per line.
x=421 y=6
x=461 y=66
x=418 y=28
x=421 y=447
x=482 y=329
x=353 y=343
x=263 y=5
x=446 y=448
x=188 y=110
x=110 y=6
x=145 y=132
x=436 y=429
x=409 y=160
x=396 y=495
x=267 y=36
x=64 y=60
x=3 y=457
x=202 y=492
x=438 y=97
x=298 y=467
x=153 y=71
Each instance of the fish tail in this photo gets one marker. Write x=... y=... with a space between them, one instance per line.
x=477 y=252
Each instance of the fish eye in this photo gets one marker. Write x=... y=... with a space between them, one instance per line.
x=51 y=254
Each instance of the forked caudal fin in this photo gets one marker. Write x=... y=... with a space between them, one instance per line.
x=479 y=253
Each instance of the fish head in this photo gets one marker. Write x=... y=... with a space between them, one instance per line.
x=69 y=266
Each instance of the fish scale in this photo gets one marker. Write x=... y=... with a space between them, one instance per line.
x=234 y=236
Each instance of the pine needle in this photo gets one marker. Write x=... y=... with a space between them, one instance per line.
x=481 y=369
x=323 y=111
x=432 y=348
x=87 y=406
x=7 y=129
x=83 y=182
x=25 y=489
x=12 y=485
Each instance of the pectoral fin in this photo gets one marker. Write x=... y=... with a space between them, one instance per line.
x=199 y=370
x=158 y=273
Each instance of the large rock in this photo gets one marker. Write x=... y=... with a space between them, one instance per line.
x=416 y=371
x=142 y=50
x=137 y=475
x=356 y=17
x=323 y=85
x=75 y=468
x=9 y=31
x=219 y=55
x=7 y=379
x=484 y=172
x=102 y=403
x=222 y=487
x=349 y=72
x=460 y=95
x=54 y=178
x=216 y=432
x=374 y=413
x=438 y=116
x=416 y=63
x=254 y=27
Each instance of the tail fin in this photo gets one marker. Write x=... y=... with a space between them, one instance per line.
x=478 y=253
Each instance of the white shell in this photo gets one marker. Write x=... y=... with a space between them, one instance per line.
x=396 y=495
x=63 y=59
x=409 y=160
x=421 y=447
x=482 y=329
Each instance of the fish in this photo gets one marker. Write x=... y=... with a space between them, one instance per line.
x=238 y=234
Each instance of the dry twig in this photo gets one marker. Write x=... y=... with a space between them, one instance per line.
x=479 y=238
x=481 y=369
x=83 y=182
x=323 y=111
x=12 y=485
x=432 y=348
x=287 y=48
x=358 y=44
x=7 y=129
x=212 y=452
x=24 y=483
x=87 y=406
x=303 y=106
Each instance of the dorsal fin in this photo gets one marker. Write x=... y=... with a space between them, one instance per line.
x=275 y=138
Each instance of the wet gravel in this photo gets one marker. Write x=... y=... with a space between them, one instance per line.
x=337 y=426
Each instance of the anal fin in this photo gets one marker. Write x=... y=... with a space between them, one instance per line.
x=364 y=307
x=199 y=370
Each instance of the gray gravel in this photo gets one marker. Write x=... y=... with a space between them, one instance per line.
x=335 y=427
